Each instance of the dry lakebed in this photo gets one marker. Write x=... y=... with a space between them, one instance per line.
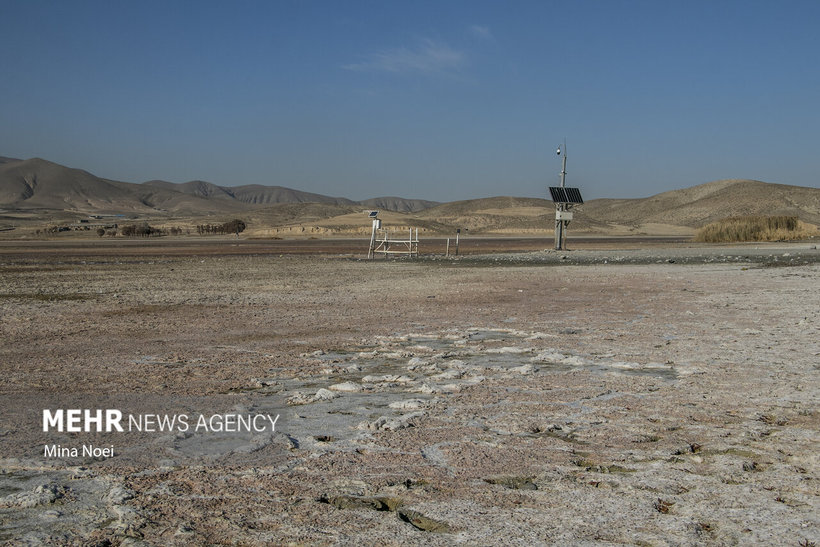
x=657 y=396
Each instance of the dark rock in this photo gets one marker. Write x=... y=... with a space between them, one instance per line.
x=422 y=522
x=379 y=503
x=514 y=483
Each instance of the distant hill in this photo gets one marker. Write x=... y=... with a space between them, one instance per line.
x=252 y=194
x=498 y=204
x=301 y=213
x=36 y=188
x=675 y=212
x=41 y=185
x=256 y=194
x=503 y=215
x=401 y=205
x=37 y=184
x=198 y=188
x=699 y=205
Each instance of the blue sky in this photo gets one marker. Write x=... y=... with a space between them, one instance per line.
x=435 y=100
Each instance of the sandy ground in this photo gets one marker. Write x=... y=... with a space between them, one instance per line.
x=647 y=397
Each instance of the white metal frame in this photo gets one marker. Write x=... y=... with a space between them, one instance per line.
x=381 y=242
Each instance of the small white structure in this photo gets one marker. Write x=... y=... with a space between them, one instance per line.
x=381 y=242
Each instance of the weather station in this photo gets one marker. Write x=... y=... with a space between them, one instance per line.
x=381 y=242
x=565 y=199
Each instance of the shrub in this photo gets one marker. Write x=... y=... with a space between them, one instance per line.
x=231 y=227
x=234 y=226
x=143 y=230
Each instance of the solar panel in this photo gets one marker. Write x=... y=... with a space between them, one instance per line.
x=565 y=195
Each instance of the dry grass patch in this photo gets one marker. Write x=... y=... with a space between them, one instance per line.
x=754 y=228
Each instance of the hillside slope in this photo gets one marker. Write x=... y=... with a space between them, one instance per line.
x=40 y=184
x=699 y=205
x=37 y=188
x=401 y=205
x=37 y=184
x=199 y=188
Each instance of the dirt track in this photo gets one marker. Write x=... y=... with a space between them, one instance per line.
x=545 y=397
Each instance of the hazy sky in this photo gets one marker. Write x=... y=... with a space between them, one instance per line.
x=438 y=100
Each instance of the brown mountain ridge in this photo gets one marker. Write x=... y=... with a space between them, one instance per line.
x=44 y=188
x=38 y=184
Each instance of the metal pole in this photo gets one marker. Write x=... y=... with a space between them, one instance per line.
x=559 y=224
x=564 y=235
x=559 y=229
x=372 y=239
x=448 y=248
x=564 y=165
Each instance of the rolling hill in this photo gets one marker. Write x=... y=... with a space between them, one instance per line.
x=252 y=194
x=699 y=205
x=39 y=189
x=40 y=185
x=402 y=205
x=43 y=186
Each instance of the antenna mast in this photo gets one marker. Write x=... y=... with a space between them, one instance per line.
x=560 y=226
x=564 y=162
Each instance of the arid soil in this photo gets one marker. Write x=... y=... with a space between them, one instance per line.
x=88 y=244
x=648 y=397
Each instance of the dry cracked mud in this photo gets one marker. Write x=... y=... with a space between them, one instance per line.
x=528 y=400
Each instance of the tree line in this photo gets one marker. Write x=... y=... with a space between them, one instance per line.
x=144 y=229
x=234 y=226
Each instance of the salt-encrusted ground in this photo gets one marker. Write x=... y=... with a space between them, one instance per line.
x=663 y=397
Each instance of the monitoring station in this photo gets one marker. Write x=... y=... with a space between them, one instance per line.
x=565 y=199
x=381 y=242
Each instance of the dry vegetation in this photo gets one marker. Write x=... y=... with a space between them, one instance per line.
x=754 y=228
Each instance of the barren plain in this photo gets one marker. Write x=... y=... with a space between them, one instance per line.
x=664 y=395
